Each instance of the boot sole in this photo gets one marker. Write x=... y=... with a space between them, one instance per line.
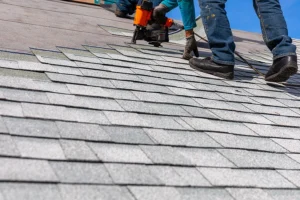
x=284 y=73
x=229 y=75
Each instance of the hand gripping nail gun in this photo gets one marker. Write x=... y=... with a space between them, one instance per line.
x=146 y=28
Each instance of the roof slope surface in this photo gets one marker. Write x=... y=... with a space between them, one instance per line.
x=134 y=122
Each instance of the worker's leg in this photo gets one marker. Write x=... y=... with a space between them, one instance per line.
x=276 y=37
x=187 y=10
x=274 y=28
x=156 y=2
x=125 y=7
x=220 y=39
x=218 y=31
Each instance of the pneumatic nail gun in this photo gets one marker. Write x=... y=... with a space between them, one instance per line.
x=146 y=27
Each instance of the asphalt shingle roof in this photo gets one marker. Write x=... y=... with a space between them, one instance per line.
x=133 y=122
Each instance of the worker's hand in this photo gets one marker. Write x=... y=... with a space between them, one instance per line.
x=159 y=14
x=191 y=45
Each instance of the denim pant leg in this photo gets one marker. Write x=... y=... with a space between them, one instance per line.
x=274 y=28
x=218 y=30
x=187 y=10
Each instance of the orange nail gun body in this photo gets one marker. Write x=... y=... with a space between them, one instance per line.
x=143 y=18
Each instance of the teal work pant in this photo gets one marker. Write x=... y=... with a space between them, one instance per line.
x=187 y=10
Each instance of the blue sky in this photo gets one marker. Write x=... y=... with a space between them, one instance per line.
x=242 y=16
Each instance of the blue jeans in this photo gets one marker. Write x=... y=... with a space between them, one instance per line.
x=187 y=10
x=217 y=28
x=129 y=6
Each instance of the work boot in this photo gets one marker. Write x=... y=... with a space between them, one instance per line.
x=191 y=46
x=282 y=69
x=208 y=66
x=120 y=13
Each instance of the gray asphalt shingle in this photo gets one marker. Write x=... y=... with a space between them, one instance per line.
x=245 y=178
x=63 y=78
x=3 y=128
x=192 y=176
x=275 y=131
x=127 y=135
x=291 y=145
x=87 y=90
x=200 y=112
x=181 y=138
x=90 y=173
x=24 y=95
x=252 y=159
x=168 y=175
x=269 y=94
x=83 y=102
x=11 y=109
x=240 y=116
x=25 y=191
x=245 y=142
x=40 y=148
x=284 y=194
x=157 y=193
x=82 y=58
x=132 y=174
x=77 y=150
x=292 y=176
x=205 y=157
x=31 y=127
x=164 y=122
x=82 y=131
x=165 y=155
x=22 y=83
x=87 y=192
x=33 y=66
x=161 y=81
x=204 y=194
x=296 y=157
x=247 y=194
x=54 y=61
x=126 y=119
x=109 y=75
x=8 y=146
x=163 y=98
x=220 y=126
x=31 y=170
x=63 y=113
x=284 y=121
x=268 y=101
x=119 y=153
x=205 y=93
x=157 y=74
x=271 y=110
x=125 y=64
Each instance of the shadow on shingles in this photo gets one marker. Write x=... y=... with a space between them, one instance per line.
x=164 y=51
x=239 y=39
x=246 y=75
